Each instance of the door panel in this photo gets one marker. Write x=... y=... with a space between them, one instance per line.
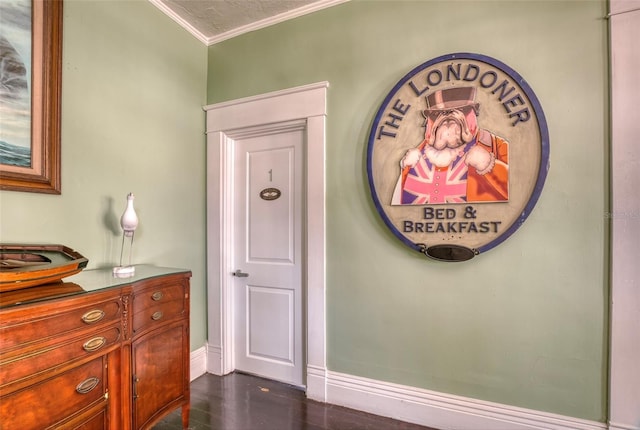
x=271 y=310
x=268 y=247
x=271 y=223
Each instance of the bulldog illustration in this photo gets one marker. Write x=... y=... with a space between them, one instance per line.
x=457 y=162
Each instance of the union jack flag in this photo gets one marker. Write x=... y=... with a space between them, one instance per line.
x=428 y=184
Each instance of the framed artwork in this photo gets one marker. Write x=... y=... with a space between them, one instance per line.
x=30 y=88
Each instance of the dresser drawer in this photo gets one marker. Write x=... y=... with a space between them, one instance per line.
x=156 y=305
x=14 y=367
x=157 y=314
x=151 y=297
x=45 y=404
x=95 y=418
x=40 y=327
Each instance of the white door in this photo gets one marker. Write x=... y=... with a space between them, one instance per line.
x=267 y=257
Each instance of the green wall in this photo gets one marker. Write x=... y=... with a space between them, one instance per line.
x=133 y=88
x=524 y=324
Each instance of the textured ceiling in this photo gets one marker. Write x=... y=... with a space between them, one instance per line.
x=215 y=20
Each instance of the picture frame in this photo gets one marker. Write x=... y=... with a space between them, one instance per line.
x=41 y=172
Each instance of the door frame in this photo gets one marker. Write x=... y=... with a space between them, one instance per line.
x=230 y=120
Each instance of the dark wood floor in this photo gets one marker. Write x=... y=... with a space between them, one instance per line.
x=243 y=402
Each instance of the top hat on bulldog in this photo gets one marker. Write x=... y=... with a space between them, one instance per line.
x=446 y=100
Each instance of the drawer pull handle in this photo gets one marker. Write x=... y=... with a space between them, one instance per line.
x=94 y=344
x=93 y=316
x=87 y=385
x=157 y=296
x=156 y=316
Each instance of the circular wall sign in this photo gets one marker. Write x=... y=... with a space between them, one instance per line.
x=457 y=156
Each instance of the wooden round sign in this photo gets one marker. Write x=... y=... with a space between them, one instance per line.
x=458 y=155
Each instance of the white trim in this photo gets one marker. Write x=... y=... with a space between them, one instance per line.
x=624 y=349
x=226 y=227
x=226 y=121
x=295 y=13
x=618 y=426
x=297 y=103
x=439 y=410
x=316 y=258
x=181 y=22
x=198 y=363
x=425 y=407
x=214 y=360
x=212 y=40
x=316 y=383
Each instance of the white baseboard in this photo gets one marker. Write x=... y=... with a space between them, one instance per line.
x=442 y=411
x=214 y=360
x=619 y=426
x=198 y=363
x=317 y=383
x=414 y=405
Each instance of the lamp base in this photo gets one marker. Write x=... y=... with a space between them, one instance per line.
x=124 y=271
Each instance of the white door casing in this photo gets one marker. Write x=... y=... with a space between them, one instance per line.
x=267 y=241
x=226 y=121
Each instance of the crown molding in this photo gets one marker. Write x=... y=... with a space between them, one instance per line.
x=295 y=13
x=184 y=24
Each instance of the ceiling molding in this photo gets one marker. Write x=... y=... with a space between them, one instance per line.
x=184 y=24
x=295 y=13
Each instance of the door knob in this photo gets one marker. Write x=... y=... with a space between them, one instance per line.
x=240 y=274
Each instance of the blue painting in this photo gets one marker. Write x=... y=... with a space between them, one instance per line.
x=15 y=82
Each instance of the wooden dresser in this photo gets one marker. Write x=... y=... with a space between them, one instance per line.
x=96 y=352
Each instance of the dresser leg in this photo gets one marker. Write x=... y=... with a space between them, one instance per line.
x=185 y=415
